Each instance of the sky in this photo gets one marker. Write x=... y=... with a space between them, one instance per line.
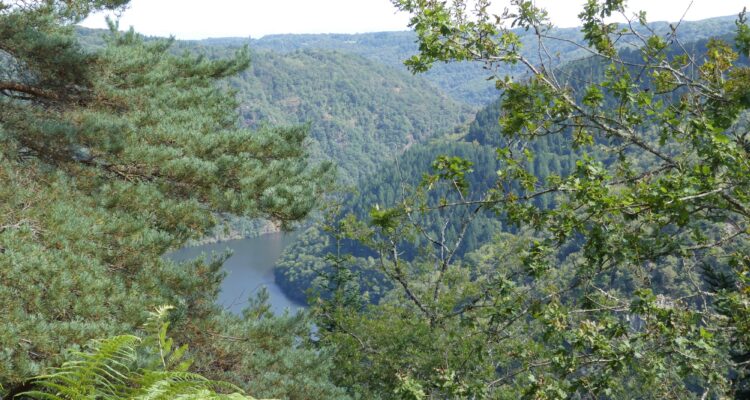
x=198 y=19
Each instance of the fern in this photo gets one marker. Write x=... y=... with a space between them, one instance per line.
x=108 y=370
x=103 y=372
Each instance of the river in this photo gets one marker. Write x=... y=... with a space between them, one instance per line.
x=249 y=269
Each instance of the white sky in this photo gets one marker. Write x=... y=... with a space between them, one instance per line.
x=197 y=19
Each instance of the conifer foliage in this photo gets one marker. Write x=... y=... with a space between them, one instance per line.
x=108 y=160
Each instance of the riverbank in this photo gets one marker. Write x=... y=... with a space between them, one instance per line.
x=237 y=228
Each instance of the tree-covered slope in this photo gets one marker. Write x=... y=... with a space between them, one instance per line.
x=353 y=90
x=553 y=155
x=465 y=82
x=306 y=260
x=360 y=113
x=462 y=82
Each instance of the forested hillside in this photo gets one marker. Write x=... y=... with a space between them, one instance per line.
x=584 y=235
x=360 y=112
x=361 y=105
x=306 y=260
x=465 y=82
x=553 y=156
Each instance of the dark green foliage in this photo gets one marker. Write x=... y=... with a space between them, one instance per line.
x=361 y=114
x=305 y=261
x=552 y=154
x=743 y=33
x=602 y=293
x=108 y=160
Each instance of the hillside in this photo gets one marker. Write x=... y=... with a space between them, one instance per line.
x=353 y=90
x=553 y=155
x=360 y=112
x=306 y=260
x=465 y=82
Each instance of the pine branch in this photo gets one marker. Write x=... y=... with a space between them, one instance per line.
x=7 y=86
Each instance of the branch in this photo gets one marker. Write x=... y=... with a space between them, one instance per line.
x=717 y=243
x=31 y=90
x=740 y=208
x=398 y=275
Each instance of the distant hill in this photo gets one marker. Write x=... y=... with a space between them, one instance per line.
x=462 y=81
x=465 y=82
x=360 y=112
x=303 y=261
x=364 y=108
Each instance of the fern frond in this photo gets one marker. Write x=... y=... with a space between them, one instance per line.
x=35 y=394
x=164 y=385
x=107 y=371
x=157 y=318
x=102 y=372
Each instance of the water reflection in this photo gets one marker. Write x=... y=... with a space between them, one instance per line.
x=248 y=270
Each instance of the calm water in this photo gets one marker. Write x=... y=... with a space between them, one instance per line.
x=249 y=269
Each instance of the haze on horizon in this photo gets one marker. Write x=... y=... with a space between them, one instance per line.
x=199 y=19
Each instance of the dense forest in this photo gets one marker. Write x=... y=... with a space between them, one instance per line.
x=487 y=207
x=394 y=181
x=466 y=81
x=359 y=113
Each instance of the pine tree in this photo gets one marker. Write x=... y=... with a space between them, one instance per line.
x=108 y=160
